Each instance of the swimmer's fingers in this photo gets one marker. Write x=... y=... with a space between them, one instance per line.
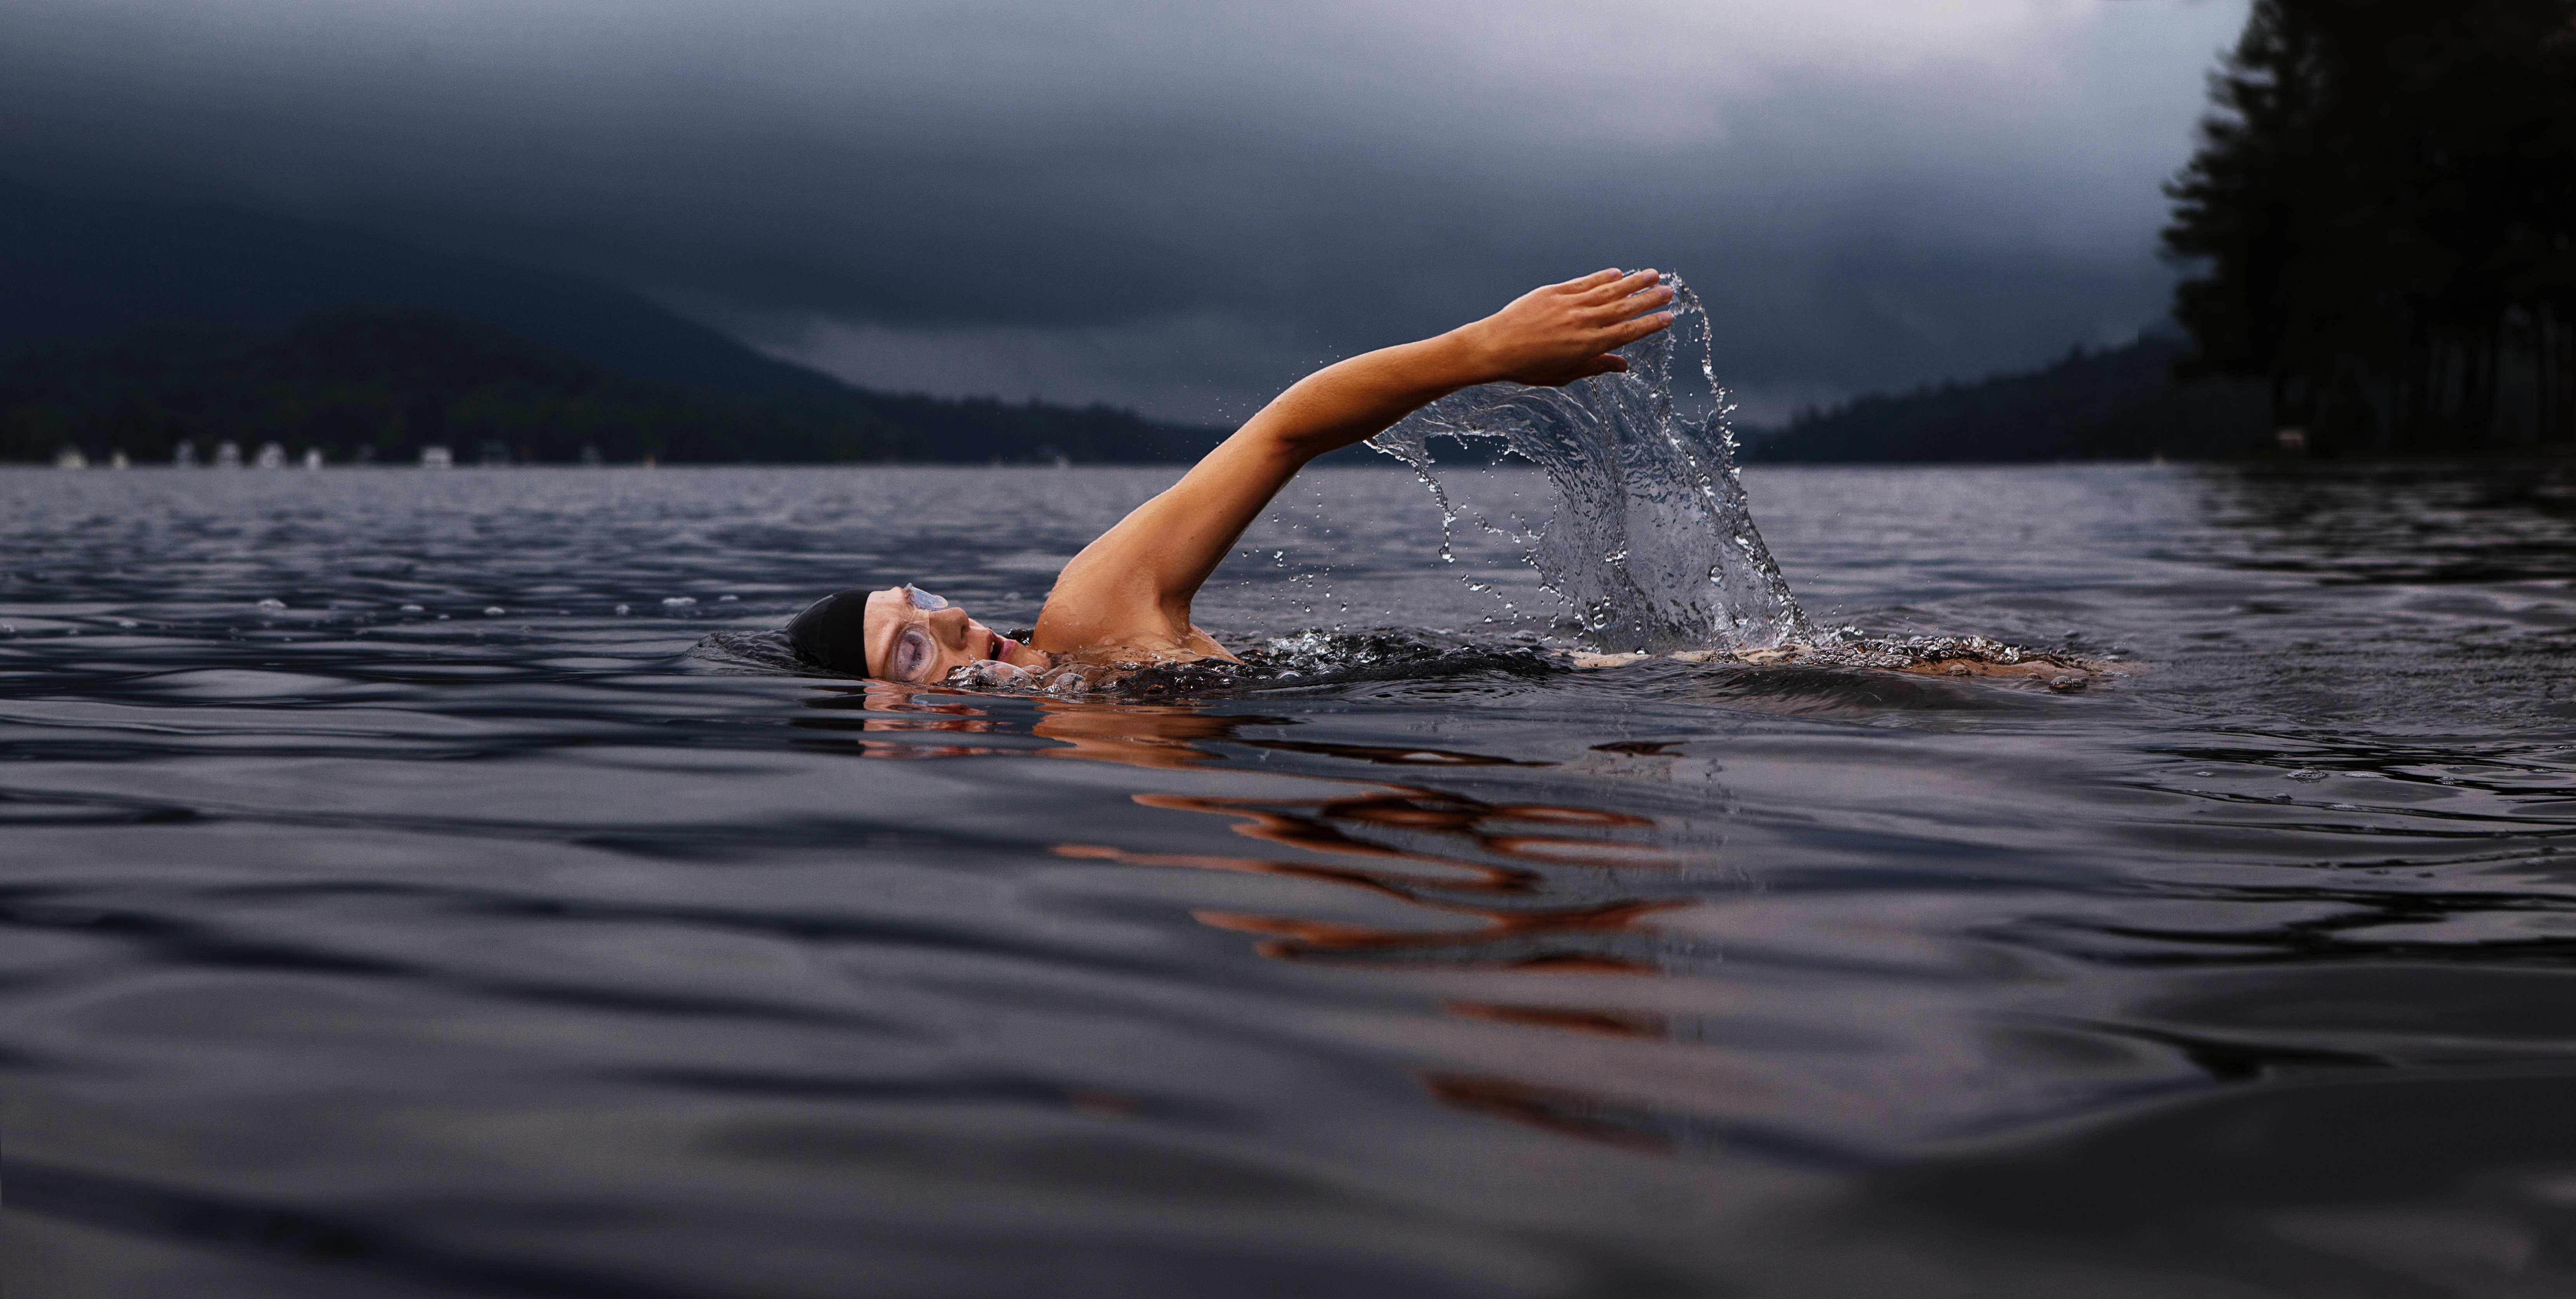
x=1628 y=306
x=1602 y=364
x=1627 y=331
x=1593 y=282
x=1608 y=287
x=1610 y=341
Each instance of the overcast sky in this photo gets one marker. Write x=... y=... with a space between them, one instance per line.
x=1181 y=206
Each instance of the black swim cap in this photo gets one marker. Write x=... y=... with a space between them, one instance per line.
x=832 y=632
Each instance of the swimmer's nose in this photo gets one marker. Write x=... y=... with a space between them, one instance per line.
x=951 y=624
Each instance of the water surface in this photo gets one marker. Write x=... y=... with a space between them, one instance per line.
x=504 y=946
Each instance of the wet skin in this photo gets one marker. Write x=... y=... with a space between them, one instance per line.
x=949 y=640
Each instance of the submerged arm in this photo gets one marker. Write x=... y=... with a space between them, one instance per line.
x=1137 y=580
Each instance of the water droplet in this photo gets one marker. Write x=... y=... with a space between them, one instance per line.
x=723 y=598
x=493 y=611
x=1651 y=534
x=271 y=603
x=2307 y=773
x=411 y=608
x=621 y=611
x=678 y=601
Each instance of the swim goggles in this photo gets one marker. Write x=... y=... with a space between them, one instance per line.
x=914 y=652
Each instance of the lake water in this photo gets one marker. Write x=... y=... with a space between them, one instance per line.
x=505 y=946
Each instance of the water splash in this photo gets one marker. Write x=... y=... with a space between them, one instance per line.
x=1652 y=544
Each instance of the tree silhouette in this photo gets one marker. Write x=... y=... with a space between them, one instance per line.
x=2382 y=212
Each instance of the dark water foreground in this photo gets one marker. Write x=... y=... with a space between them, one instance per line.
x=354 y=951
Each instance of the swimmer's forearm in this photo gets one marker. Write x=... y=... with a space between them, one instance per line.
x=1147 y=569
x=1355 y=400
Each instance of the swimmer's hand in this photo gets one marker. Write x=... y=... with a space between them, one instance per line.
x=1555 y=335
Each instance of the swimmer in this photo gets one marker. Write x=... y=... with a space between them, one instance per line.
x=1125 y=600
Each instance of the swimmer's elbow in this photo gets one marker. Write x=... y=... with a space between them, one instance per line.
x=1357 y=399
x=1280 y=444
x=1297 y=434
x=1297 y=447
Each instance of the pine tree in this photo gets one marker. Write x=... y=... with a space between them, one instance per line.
x=2380 y=215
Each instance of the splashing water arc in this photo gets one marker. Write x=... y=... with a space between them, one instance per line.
x=1652 y=544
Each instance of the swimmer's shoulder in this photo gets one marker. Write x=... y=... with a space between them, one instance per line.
x=1113 y=660
x=1133 y=653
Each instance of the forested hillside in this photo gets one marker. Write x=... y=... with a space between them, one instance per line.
x=128 y=327
x=2117 y=404
x=380 y=383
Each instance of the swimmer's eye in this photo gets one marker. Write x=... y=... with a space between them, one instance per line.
x=913 y=654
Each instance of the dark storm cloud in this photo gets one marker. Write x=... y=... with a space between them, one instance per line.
x=1174 y=204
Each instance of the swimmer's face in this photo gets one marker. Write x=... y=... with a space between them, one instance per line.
x=915 y=636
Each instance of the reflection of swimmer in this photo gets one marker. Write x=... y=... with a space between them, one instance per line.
x=1540 y=884
x=1126 y=597
x=1136 y=735
x=1510 y=888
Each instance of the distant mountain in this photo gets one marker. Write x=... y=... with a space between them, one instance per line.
x=80 y=272
x=382 y=383
x=2121 y=403
x=89 y=272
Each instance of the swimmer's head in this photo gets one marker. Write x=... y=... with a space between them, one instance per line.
x=901 y=633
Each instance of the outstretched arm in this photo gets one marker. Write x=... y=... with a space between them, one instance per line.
x=1134 y=584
